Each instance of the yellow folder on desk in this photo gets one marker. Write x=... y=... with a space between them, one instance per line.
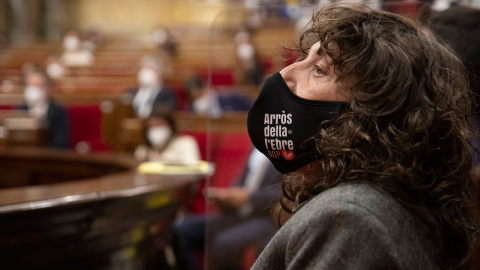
x=157 y=167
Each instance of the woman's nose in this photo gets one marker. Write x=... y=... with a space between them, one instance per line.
x=288 y=75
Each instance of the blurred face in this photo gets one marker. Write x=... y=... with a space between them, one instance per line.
x=159 y=132
x=37 y=90
x=314 y=78
x=197 y=92
x=148 y=76
x=37 y=80
x=157 y=122
x=71 y=42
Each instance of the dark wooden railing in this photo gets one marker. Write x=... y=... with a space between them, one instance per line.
x=64 y=210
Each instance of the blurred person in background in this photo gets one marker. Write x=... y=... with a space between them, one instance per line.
x=73 y=52
x=242 y=35
x=164 y=143
x=40 y=104
x=164 y=39
x=151 y=92
x=252 y=70
x=27 y=67
x=243 y=219
x=93 y=39
x=54 y=66
x=209 y=102
x=8 y=86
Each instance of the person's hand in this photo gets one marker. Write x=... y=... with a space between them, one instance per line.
x=236 y=197
x=229 y=198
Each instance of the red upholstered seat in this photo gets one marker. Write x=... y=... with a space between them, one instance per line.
x=233 y=149
x=197 y=203
x=181 y=97
x=86 y=125
x=229 y=152
x=219 y=76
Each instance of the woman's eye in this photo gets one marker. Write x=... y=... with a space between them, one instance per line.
x=319 y=70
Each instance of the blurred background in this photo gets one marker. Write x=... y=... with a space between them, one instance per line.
x=90 y=89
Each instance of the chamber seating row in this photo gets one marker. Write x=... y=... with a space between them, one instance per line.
x=104 y=123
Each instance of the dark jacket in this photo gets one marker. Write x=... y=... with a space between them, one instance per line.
x=232 y=102
x=166 y=97
x=58 y=125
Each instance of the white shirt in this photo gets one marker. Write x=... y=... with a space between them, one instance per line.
x=181 y=150
x=39 y=111
x=144 y=99
x=78 y=58
x=257 y=165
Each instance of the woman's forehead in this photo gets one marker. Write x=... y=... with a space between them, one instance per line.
x=314 y=52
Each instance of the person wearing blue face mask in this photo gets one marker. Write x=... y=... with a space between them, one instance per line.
x=373 y=130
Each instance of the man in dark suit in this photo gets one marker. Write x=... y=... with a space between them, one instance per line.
x=151 y=91
x=40 y=104
x=243 y=220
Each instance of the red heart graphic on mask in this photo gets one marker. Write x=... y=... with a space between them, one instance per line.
x=288 y=155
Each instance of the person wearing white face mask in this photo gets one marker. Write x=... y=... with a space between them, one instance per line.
x=73 y=53
x=71 y=42
x=55 y=67
x=251 y=66
x=163 y=143
x=165 y=40
x=151 y=92
x=39 y=104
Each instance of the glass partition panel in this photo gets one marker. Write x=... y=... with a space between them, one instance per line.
x=249 y=42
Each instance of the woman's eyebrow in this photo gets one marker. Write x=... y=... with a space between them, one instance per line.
x=326 y=63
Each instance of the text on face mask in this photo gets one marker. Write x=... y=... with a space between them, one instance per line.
x=274 y=132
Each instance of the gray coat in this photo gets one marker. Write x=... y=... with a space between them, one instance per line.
x=352 y=226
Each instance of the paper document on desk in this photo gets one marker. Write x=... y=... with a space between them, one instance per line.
x=158 y=167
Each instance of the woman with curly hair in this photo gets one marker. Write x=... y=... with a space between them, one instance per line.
x=373 y=130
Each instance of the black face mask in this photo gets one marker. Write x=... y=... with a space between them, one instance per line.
x=281 y=123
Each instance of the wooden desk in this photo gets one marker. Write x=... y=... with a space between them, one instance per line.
x=19 y=128
x=118 y=220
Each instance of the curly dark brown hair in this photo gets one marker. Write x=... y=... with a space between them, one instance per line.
x=409 y=129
